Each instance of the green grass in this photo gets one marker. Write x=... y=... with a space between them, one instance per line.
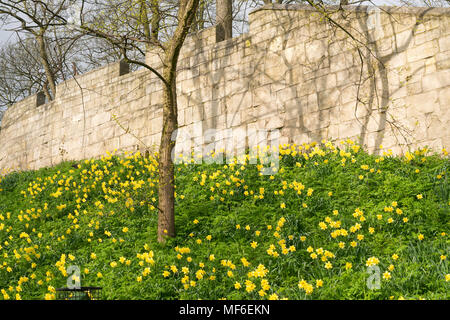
x=75 y=209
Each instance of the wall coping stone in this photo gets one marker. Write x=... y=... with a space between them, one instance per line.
x=388 y=9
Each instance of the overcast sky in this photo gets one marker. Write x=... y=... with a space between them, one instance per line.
x=4 y=36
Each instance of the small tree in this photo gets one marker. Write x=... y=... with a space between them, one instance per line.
x=22 y=78
x=37 y=19
x=127 y=26
x=44 y=51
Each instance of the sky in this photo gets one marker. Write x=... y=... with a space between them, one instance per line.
x=4 y=36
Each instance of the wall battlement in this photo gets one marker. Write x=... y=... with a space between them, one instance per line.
x=292 y=71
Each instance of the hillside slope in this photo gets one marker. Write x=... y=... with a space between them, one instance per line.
x=327 y=225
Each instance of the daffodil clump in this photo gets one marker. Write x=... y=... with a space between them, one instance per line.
x=310 y=229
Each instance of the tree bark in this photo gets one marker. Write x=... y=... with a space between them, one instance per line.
x=45 y=63
x=145 y=22
x=166 y=191
x=155 y=21
x=224 y=20
x=199 y=20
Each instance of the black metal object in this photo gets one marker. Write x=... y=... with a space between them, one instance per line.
x=83 y=293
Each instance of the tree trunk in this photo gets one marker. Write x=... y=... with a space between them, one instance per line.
x=156 y=19
x=224 y=20
x=201 y=15
x=145 y=23
x=199 y=19
x=46 y=92
x=166 y=192
x=45 y=63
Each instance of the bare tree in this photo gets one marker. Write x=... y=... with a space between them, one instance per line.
x=45 y=51
x=38 y=19
x=21 y=73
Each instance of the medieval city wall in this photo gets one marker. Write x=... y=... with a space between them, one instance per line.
x=294 y=71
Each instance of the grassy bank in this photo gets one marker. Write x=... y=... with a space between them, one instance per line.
x=327 y=225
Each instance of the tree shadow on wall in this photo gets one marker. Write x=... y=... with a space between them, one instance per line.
x=309 y=74
x=316 y=78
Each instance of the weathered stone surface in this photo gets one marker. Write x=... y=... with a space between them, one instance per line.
x=436 y=80
x=291 y=73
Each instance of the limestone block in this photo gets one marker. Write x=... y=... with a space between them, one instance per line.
x=436 y=80
x=233 y=119
x=421 y=104
x=157 y=124
x=403 y=40
x=312 y=103
x=310 y=122
x=347 y=94
x=248 y=115
x=397 y=60
x=287 y=93
x=301 y=138
x=294 y=108
x=349 y=129
x=414 y=87
x=427 y=49
x=430 y=65
x=94 y=150
x=194 y=98
x=340 y=61
x=275 y=44
x=262 y=95
x=444 y=99
x=100 y=118
x=436 y=127
x=266 y=111
x=294 y=54
x=188 y=115
x=442 y=61
x=326 y=82
x=275 y=122
x=238 y=85
x=239 y=101
x=316 y=50
x=181 y=118
x=426 y=36
x=333 y=132
x=306 y=88
x=275 y=68
x=328 y=99
x=397 y=94
x=444 y=44
x=198 y=113
x=212 y=108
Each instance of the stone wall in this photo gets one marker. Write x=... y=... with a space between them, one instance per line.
x=388 y=84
